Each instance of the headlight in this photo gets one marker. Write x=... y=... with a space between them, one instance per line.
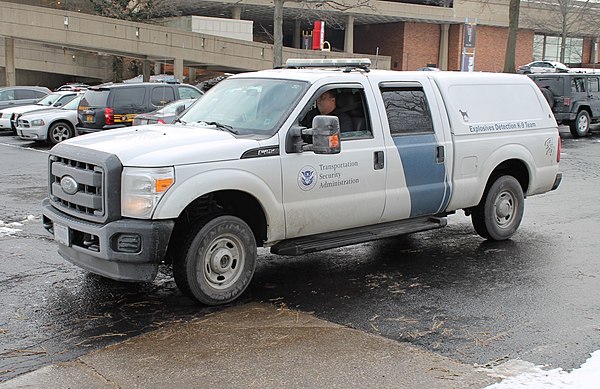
x=142 y=188
x=37 y=123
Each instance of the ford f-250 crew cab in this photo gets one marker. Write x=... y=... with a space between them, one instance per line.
x=238 y=171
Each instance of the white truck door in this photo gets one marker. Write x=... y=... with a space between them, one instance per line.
x=324 y=193
x=422 y=150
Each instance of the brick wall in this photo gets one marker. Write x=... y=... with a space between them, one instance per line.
x=413 y=45
x=490 y=48
x=421 y=45
x=389 y=37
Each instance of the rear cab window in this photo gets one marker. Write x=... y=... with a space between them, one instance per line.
x=407 y=110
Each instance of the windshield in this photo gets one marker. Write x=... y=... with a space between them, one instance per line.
x=73 y=103
x=50 y=99
x=250 y=106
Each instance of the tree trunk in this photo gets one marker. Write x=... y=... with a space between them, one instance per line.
x=513 y=28
x=563 y=40
x=278 y=33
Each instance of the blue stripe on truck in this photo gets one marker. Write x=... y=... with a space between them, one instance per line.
x=425 y=179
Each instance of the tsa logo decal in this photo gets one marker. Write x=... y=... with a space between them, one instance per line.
x=307 y=178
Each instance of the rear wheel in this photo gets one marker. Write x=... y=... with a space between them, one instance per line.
x=59 y=132
x=217 y=261
x=500 y=211
x=581 y=126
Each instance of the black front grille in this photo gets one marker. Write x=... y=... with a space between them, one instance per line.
x=98 y=183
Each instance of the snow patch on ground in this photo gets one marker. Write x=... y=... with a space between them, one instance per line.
x=521 y=374
x=8 y=229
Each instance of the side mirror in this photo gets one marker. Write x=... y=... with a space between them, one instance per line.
x=179 y=110
x=322 y=138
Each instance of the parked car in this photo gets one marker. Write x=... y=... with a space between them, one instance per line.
x=110 y=106
x=12 y=96
x=543 y=67
x=428 y=69
x=52 y=125
x=164 y=115
x=9 y=116
x=573 y=97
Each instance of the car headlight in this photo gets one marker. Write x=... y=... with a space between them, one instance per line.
x=142 y=189
x=37 y=123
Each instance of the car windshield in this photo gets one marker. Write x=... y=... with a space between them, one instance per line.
x=73 y=104
x=50 y=99
x=247 y=106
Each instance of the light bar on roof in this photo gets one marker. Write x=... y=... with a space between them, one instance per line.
x=328 y=62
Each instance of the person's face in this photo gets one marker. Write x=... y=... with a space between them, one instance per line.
x=326 y=103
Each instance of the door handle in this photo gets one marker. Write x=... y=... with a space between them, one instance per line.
x=378 y=160
x=439 y=154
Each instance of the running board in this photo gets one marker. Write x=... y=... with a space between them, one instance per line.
x=330 y=240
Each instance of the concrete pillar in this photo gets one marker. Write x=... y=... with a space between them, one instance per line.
x=146 y=70
x=157 y=68
x=297 y=33
x=443 y=54
x=349 y=35
x=192 y=76
x=236 y=13
x=178 y=69
x=9 y=55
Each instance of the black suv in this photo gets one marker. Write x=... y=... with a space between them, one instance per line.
x=573 y=97
x=111 y=106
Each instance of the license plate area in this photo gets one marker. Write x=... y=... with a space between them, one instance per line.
x=89 y=118
x=62 y=234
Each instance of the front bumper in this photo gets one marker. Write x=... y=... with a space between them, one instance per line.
x=123 y=250
x=35 y=133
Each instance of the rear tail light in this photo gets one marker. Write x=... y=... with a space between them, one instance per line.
x=109 y=117
x=567 y=101
x=160 y=121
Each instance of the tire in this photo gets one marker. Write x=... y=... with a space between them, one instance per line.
x=59 y=132
x=581 y=126
x=501 y=209
x=217 y=261
x=549 y=96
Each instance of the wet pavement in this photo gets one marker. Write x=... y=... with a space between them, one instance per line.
x=447 y=291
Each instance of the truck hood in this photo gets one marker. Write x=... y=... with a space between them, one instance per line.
x=166 y=145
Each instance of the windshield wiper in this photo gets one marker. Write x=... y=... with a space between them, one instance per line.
x=220 y=126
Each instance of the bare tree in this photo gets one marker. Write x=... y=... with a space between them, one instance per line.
x=572 y=17
x=134 y=10
x=337 y=5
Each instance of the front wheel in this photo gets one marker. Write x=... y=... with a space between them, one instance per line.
x=217 y=261
x=581 y=126
x=500 y=211
x=59 y=132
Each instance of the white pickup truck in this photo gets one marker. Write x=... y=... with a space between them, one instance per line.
x=240 y=171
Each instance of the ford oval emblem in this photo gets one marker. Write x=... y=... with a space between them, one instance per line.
x=69 y=185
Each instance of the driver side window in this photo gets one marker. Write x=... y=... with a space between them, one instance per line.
x=348 y=104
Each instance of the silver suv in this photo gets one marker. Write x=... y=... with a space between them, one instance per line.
x=12 y=96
